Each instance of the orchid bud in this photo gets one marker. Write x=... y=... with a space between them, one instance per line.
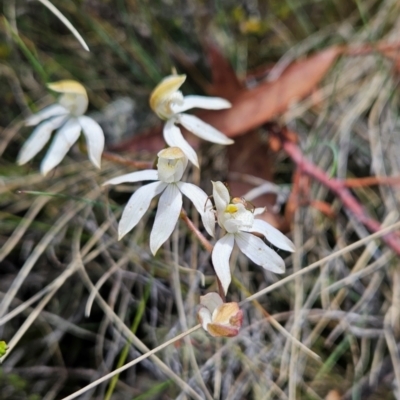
x=219 y=319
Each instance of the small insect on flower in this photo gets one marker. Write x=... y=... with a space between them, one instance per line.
x=66 y=116
x=234 y=216
x=169 y=103
x=247 y=204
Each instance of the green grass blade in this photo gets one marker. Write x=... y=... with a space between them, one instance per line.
x=28 y=54
x=125 y=350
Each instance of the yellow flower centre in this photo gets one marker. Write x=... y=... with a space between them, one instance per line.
x=231 y=208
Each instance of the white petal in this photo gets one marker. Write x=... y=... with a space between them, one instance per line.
x=50 y=111
x=230 y=225
x=171 y=164
x=38 y=139
x=207 y=103
x=174 y=138
x=145 y=175
x=258 y=252
x=211 y=300
x=204 y=316
x=220 y=258
x=221 y=196
x=273 y=235
x=169 y=208
x=259 y=210
x=137 y=206
x=203 y=130
x=94 y=139
x=202 y=203
x=65 y=137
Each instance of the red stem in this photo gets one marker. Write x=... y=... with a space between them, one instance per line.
x=339 y=189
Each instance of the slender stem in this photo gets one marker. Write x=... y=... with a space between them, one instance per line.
x=206 y=244
x=124 y=161
x=336 y=186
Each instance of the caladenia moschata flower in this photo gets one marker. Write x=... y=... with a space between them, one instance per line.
x=219 y=319
x=237 y=219
x=169 y=104
x=66 y=116
x=171 y=165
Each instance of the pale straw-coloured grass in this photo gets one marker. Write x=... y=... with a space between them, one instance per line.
x=70 y=292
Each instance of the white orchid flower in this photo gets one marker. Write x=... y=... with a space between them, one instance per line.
x=66 y=116
x=171 y=165
x=169 y=103
x=240 y=224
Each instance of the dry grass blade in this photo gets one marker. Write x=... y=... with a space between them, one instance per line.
x=326 y=169
x=64 y=20
x=318 y=263
x=131 y=364
x=136 y=342
x=39 y=249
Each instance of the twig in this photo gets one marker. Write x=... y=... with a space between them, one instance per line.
x=372 y=180
x=124 y=161
x=206 y=244
x=336 y=186
x=366 y=49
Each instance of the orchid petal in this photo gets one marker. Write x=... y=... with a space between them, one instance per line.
x=259 y=210
x=67 y=86
x=206 y=103
x=65 y=137
x=164 y=91
x=174 y=138
x=202 y=130
x=47 y=112
x=220 y=258
x=221 y=196
x=211 y=300
x=202 y=203
x=38 y=139
x=231 y=225
x=204 y=316
x=258 y=252
x=218 y=330
x=145 y=175
x=169 y=208
x=273 y=235
x=137 y=206
x=94 y=137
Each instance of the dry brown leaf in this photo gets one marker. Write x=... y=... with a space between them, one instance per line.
x=225 y=83
x=251 y=107
x=254 y=107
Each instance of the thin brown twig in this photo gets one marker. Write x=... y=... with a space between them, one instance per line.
x=372 y=181
x=365 y=49
x=206 y=244
x=124 y=161
x=336 y=186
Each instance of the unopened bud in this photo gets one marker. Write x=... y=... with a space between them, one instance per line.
x=219 y=319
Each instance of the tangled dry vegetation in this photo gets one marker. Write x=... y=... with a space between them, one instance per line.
x=76 y=303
